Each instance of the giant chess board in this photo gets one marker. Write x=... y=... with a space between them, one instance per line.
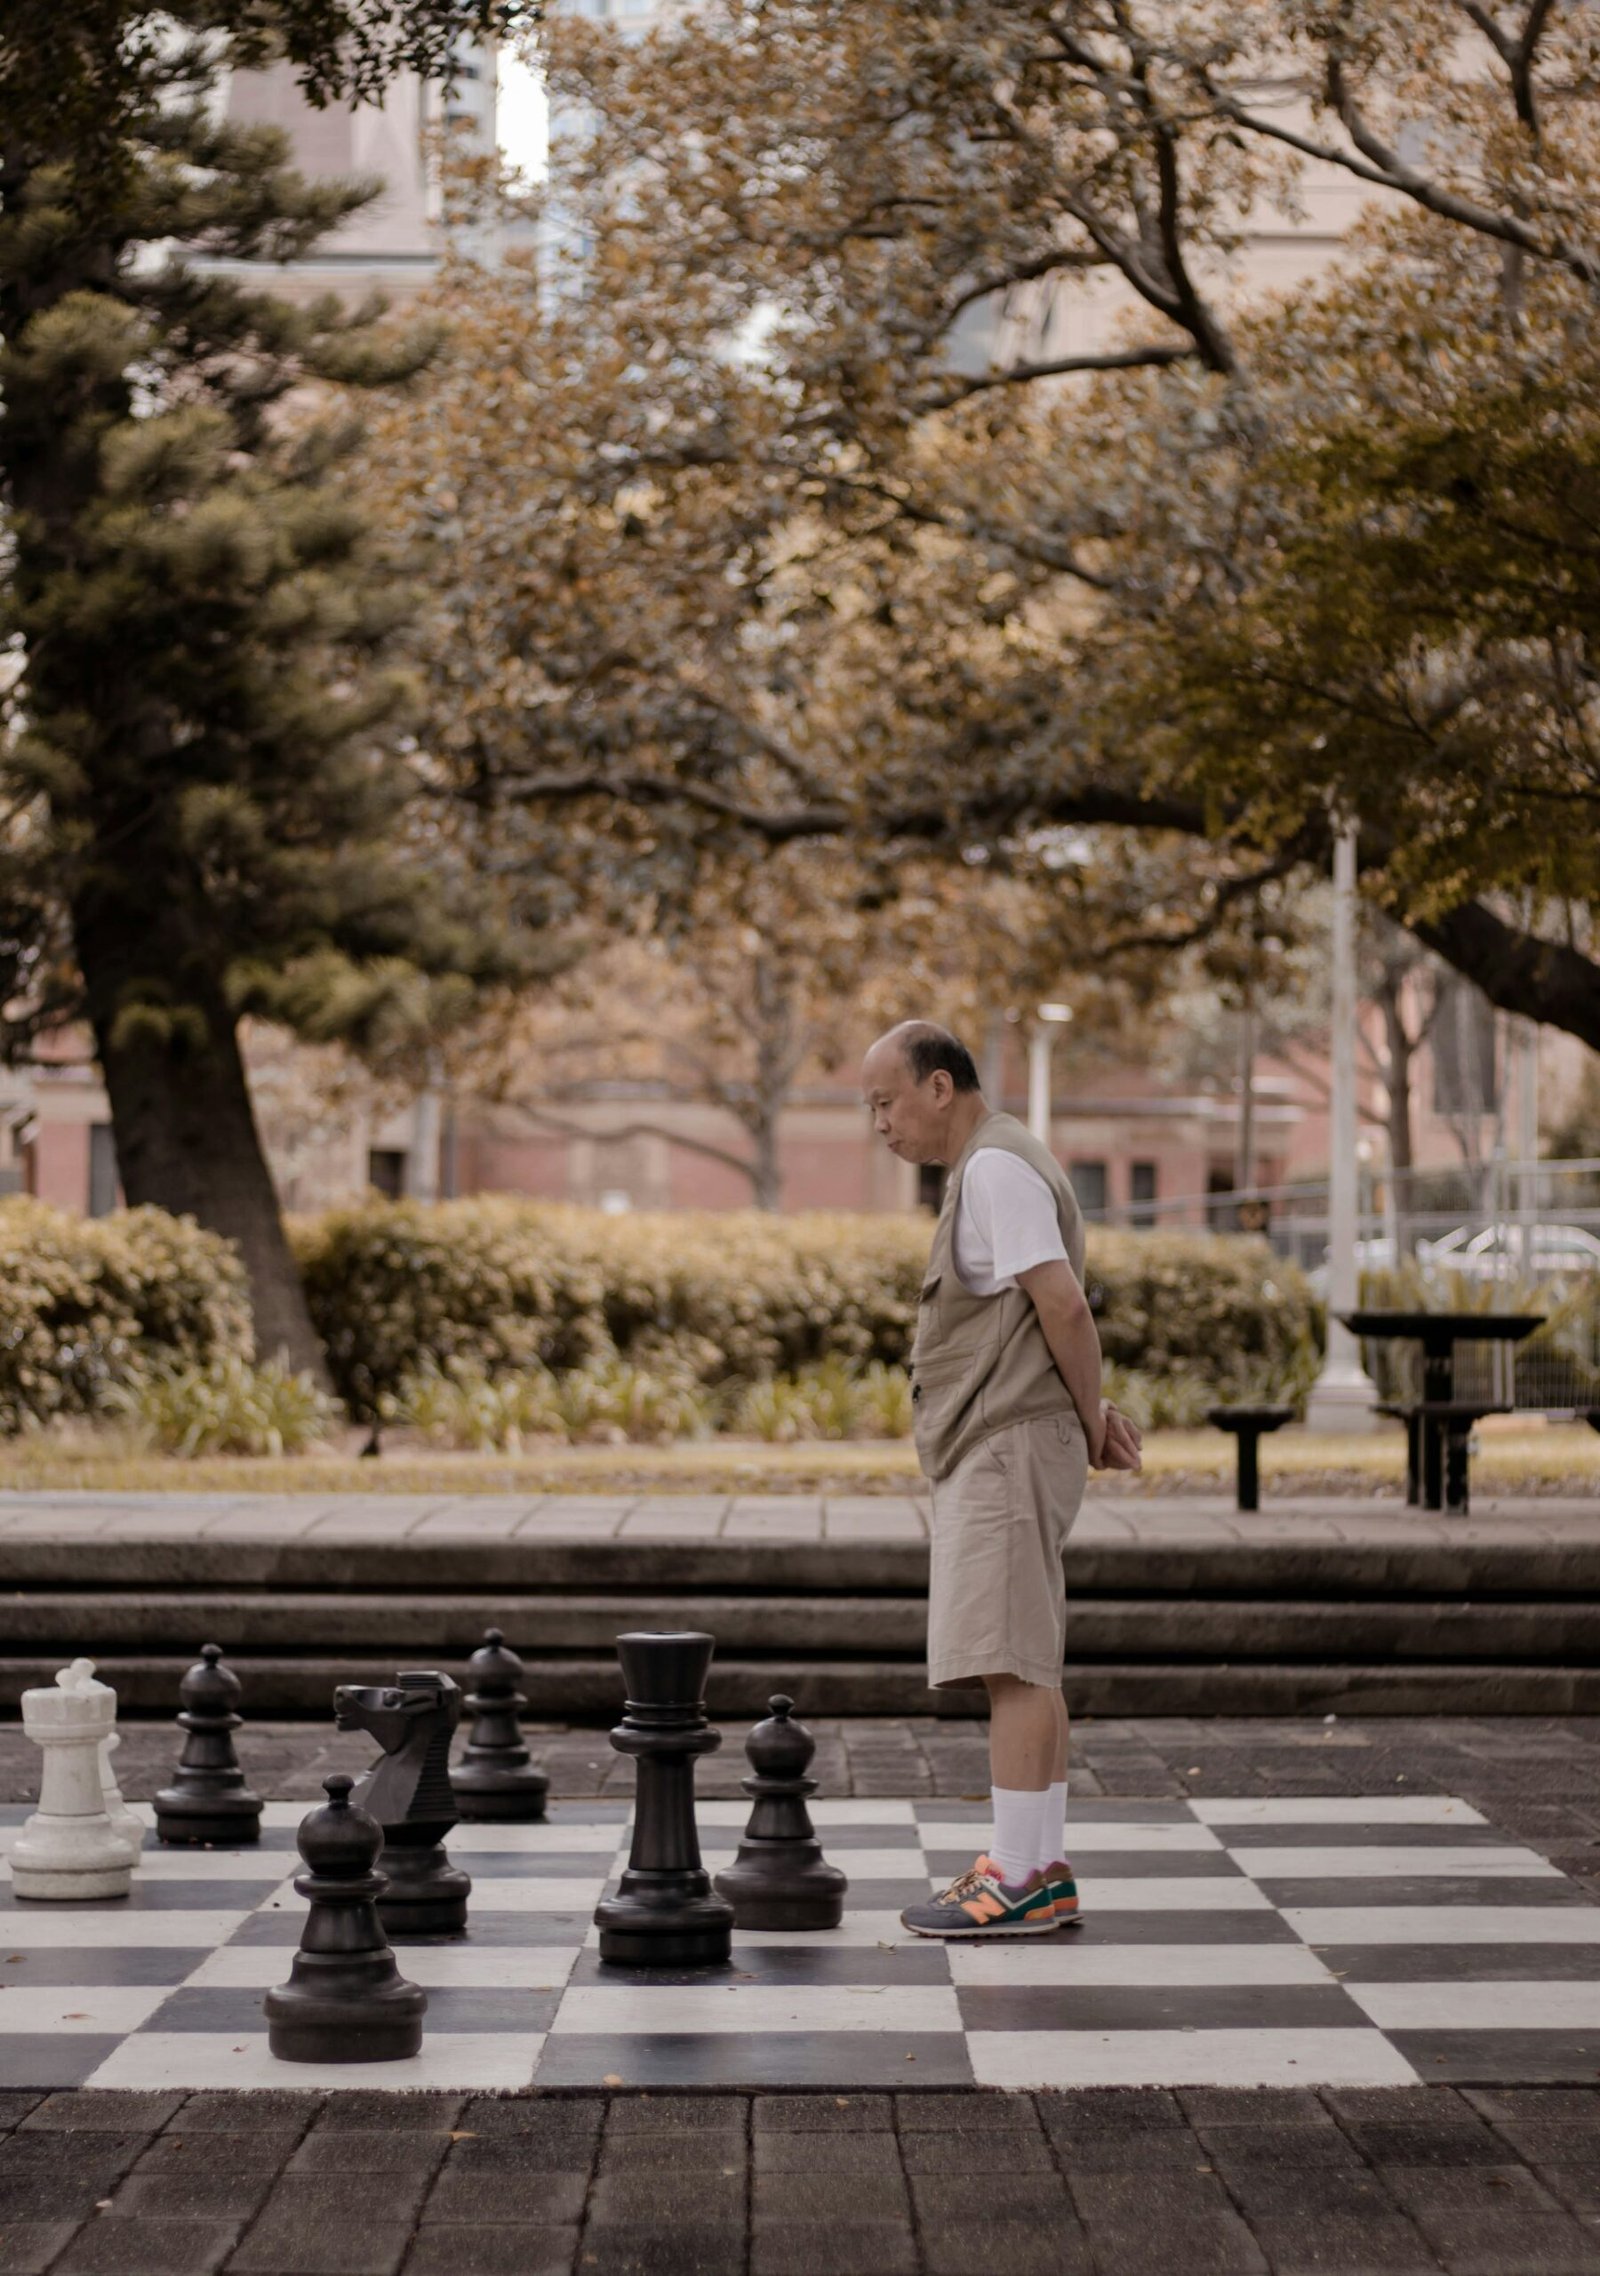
x=1351 y=1942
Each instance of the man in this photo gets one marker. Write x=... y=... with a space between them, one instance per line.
x=1008 y=1419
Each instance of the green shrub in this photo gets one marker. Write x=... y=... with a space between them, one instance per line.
x=460 y=1406
x=1218 y=1313
x=613 y=1399
x=1175 y=1401
x=229 y=1407
x=397 y=1287
x=91 y=1305
x=742 y=1296
x=885 y=1401
x=831 y=1400
x=728 y=1301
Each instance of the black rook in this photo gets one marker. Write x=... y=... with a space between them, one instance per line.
x=208 y=1800
x=495 y=1783
x=779 y=1878
x=665 y=1913
x=345 y=2001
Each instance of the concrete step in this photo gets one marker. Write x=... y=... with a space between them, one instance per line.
x=1417 y=1568
x=587 y=1690
x=561 y=1626
x=1478 y=1624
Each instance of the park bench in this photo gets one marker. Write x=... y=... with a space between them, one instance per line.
x=1247 y=1425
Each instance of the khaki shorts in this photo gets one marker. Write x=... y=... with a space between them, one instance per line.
x=997 y=1590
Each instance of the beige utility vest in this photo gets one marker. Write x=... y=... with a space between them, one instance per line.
x=980 y=1363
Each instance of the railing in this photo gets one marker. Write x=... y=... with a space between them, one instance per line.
x=1497 y=1235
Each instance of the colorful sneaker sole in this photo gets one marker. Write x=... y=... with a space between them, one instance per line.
x=1042 y=1923
x=1063 y=1889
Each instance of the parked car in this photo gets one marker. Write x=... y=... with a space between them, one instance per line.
x=1503 y=1252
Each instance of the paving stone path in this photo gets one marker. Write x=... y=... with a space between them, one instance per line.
x=1132 y=2182
x=1378 y=1519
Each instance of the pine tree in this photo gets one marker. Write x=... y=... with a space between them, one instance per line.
x=208 y=806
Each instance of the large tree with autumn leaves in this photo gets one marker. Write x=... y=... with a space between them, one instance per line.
x=741 y=541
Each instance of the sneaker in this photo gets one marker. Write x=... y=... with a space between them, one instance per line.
x=979 y=1904
x=1058 y=1879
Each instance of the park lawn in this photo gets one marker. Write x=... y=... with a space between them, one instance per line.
x=1526 y=1458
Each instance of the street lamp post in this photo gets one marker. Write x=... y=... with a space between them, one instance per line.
x=1040 y=1044
x=1343 y=1398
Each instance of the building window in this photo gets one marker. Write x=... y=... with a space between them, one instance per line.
x=1091 y=1185
x=102 y=1170
x=386 y=1170
x=1142 y=1193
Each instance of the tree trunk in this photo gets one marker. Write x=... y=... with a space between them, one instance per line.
x=766 y=1176
x=1399 y=1049
x=1244 y=1161
x=776 y=1060
x=185 y=1128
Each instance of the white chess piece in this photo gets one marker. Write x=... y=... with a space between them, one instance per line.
x=69 y=1849
x=122 y=1818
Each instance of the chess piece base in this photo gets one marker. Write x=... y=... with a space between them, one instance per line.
x=336 y=2008
x=217 y=1821
x=63 y=1860
x=770 y=1886
x=667 y=1927
x=426 y=1896
x=487 y=1795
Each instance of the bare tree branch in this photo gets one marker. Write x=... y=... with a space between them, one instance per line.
x=1517 y=54
x=563 y=1128
x=1124 y=359
x=1383 y=167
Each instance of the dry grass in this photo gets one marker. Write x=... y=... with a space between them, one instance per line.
x=1525 y=1458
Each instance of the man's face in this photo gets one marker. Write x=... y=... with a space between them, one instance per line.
x=910 y=1117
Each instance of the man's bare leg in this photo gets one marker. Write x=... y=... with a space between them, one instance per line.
x=1052 y=1844
x=1024 y=1739
x=1058 y=1759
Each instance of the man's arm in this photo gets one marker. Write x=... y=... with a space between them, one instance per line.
x=1074 y=1342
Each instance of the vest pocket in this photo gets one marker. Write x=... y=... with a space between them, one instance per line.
x=936 y=1397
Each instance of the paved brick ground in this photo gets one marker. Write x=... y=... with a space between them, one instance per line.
x=1132 y=2183
x=1136 y=2182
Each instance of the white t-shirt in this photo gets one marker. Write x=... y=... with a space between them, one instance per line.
x=1006 y=1222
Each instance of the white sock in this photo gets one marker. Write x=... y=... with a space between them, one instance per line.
x=1053 y=1832
x=1019 y=1815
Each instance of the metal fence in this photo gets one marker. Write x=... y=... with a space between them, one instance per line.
x=1496 y=1235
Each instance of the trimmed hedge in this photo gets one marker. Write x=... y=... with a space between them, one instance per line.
x=400 y=1291
x=90 y=1304
x=733 y=1299
x=1203 y=1316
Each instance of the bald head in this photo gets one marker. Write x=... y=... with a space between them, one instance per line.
x=921 y=1089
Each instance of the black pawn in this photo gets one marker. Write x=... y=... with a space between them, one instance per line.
x=208 y=1800
x=779 y=1878
x=345 y=2001
x=665 y=1913
x=495 y=1782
